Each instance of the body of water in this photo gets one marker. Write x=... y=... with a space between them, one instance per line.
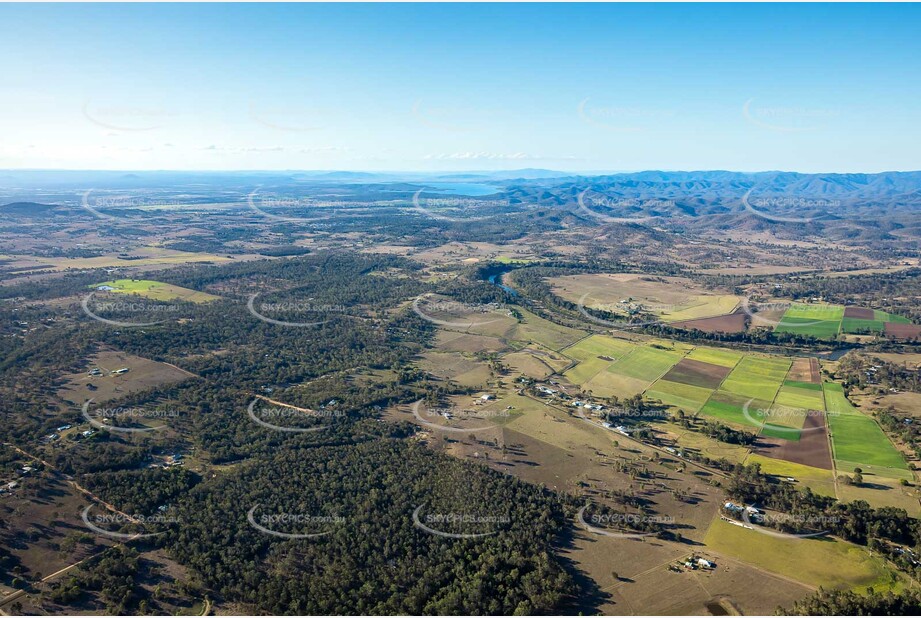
x=470 y=189
x=494 y=276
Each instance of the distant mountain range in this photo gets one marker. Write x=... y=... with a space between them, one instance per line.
x=639 y=194
x=657 y=193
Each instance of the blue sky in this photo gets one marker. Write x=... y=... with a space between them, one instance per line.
x=589 y=87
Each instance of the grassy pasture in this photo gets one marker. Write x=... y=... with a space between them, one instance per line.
x=586 y=370
x=882 y=491
x=156 y=290
x=598 y=345
x=819 y=480
x=705 y=445
x=608 y=383
x=673 y=299
x=702 y=306
x=536 y=329
x=142 y=256
x=814 y=561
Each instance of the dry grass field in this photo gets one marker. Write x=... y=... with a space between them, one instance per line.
x=142 y=374
x=673 y=299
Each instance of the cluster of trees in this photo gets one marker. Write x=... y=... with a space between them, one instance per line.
x=142 y=491
x=902 y=426
x=863 y=371
x=373 y=559
x=113 y=575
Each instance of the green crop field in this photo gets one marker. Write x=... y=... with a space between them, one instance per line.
x=815 y=312
x=716 y=356
x=826 y=321
x=822 y=329
x=684 y=396
x=857 y=325
x=646 y=363
x=820 y=320
x=857 y=439
x=730 y=408
x=783 y=432
x=804 y=385
x=875 y=325
x=835 y=401
x=757 y=377
x=804 y=398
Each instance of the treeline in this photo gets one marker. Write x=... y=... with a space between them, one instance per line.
x=715 y=429
x=850 y=603
x=856 y=521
